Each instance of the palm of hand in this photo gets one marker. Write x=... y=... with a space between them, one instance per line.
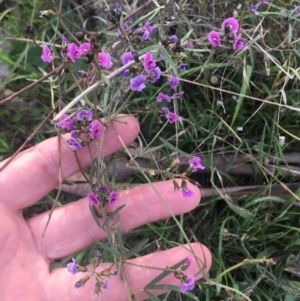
x=25 y=256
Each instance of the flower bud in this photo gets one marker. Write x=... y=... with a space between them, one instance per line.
x=82 y=281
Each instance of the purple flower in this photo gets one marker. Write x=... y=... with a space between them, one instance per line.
x=148 y=27
x=177 y=95
x=93 y=199
x=108 y=17
x=73 y=52
x=173 y=81
x=172 y=117
x=126 y=58
x=105 y=284
x=46 y=56
x=138 y=83
x=174 y=39
x=182 y=67
x=188 y=285
x=112 y=198
x=298 y=10
x=104 y=60
x=230 y=23
x=71 y=266
x=149 y=63
x=94 y=130
x=187 y=193
x=155 y=74
x=238 y=44
x=189 y=261
x=117 y=6
x=214 y=39
x=195 y=164
x=254 y=8
x=104 y=188
x=87 y=114
x=161 y=96
x=74 y=143
x=65 y=123
x=126 y=29
x=145 y=36
x=190 y=45
x=84 y=48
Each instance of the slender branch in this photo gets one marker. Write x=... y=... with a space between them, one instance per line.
x=54 y=71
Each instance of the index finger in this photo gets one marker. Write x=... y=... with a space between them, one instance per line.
x=34 y=172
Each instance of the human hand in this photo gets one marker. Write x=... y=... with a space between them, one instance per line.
x=25 y=256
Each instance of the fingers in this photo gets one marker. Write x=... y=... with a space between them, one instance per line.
x=73 y=228
x=34 y=172
x=61 y=283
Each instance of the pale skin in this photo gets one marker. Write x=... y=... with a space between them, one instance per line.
x=25 y=256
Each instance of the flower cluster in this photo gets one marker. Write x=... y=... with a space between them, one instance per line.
x=144 y=32
x=106 y=196
x=71 y=52
x=187 y=281
x=73 y=267
x=82 y=127
x=230 y=26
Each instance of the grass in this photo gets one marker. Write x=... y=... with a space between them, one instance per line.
x=256 y=89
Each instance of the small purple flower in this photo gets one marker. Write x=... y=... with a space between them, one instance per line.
x=189 y=261
x=214 y=38
x=94 y=130
x=155 y=74
x=87 y=114
x=138 y=83
x=93 y=199
x=126 y=29
x=113 y=197
x=148 y=27
x=126 y=58
x=74 y=143
x=173 y=38
x=172 y=117
x=232 y=23
x=46 y=56
x=145 y=36
x=178 y=94
x=117 y=6
x=73 y=52
x=104 y=188
x=104 y=60
x=173 y=81
x=108 y=17
x=149 y=63
x=105 y=284
x=254 y=8
x=161 y=96
x=188 y=285
x=238 y=44
x=190 y=45
x=187 y=193
x=182 y=67
x=65 y=123
x=84 y=48
x=71 y=266
x=298 y=10
x=195 y=164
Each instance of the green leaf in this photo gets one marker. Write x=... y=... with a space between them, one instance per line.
x=137 y=248
x=164 y=274
x=239 y=210
x=96 y=218
x=112 y=215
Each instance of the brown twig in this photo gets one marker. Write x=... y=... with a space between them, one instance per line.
x=54 y=71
